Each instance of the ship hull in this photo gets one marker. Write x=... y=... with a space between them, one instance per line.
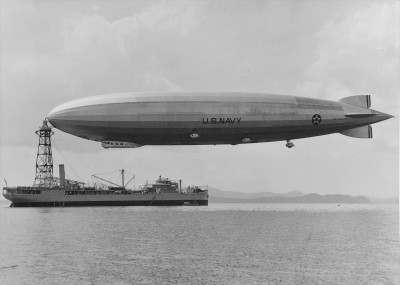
x=108 y=203
x=61 y=198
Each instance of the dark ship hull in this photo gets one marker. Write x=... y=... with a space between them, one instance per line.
x=37 y=197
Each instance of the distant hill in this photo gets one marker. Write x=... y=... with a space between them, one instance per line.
x=220 y=196
x=240 y=195
x=391 y=200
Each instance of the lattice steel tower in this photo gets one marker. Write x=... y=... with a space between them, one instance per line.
x=44 y=159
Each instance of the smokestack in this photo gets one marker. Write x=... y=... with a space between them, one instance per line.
x=62 y=175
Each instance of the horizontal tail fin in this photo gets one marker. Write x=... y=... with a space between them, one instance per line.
x=363 y=101
x=364 y=132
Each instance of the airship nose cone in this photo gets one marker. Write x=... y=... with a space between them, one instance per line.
x=61 y=116
x=51 y=115
x=54 y=115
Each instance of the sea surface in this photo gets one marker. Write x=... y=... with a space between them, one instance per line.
x=215 y=244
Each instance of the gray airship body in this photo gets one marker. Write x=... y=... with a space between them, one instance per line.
x=199 y=118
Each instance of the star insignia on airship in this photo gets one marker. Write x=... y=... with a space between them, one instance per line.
x=316 y=119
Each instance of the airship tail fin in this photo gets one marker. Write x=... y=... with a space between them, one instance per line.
x=363 y=101
x=364 y=132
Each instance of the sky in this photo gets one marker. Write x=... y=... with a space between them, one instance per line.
x=52 y=52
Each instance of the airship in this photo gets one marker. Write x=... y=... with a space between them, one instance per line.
x=129 y=120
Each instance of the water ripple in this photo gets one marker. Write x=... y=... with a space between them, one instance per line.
x=218 y=244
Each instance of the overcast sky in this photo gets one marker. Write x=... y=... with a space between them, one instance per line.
x=56 y=51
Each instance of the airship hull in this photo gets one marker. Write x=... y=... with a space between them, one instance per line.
x=205 y=118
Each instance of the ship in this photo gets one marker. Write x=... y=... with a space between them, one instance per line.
x=50 y=191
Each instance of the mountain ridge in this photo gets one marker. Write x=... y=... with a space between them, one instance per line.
x=221 y=196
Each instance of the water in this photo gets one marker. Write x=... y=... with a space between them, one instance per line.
x=218 y=244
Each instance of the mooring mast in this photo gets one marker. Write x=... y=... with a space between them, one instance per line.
x=44 y=159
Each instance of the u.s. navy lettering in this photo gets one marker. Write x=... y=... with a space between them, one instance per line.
x=219 y=121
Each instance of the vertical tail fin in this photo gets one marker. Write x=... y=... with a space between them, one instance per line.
x=363 y=101
x=364 y=132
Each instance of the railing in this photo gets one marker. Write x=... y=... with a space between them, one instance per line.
x=22 y=190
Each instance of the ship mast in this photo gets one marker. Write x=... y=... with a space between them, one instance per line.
x=44 y=158
x=122 y=174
